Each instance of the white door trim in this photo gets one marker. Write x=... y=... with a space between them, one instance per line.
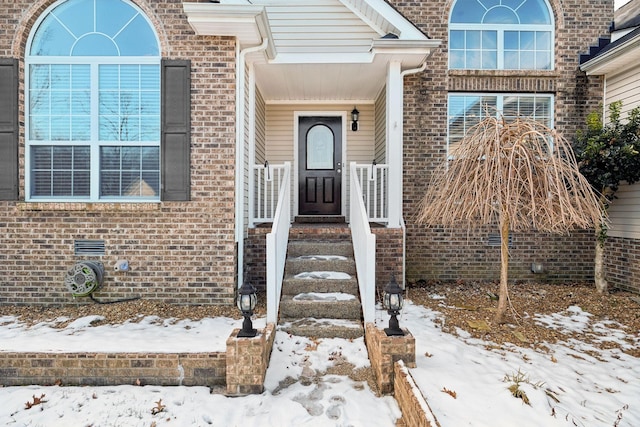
x=296 y=118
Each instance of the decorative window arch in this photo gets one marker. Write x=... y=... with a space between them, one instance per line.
x=93 y=104
x=501 y=34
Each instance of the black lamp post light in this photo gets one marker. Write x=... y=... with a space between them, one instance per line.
x=392 y=301
x=246 y=301
x=355 y=115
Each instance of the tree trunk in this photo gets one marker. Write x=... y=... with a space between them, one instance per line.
x=503 y=296
x=598 y=271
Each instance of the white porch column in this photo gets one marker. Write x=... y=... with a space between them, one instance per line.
x=395 y=96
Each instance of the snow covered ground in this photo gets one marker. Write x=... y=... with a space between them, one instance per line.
x=466 y=381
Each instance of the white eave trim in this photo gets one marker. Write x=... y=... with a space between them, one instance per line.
x=248 y=23
x=615 y=59
x=411 y=53
x=380 y=9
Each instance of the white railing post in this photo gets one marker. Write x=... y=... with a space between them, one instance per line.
x=277 y=241
x=364 y=247
x=373 y=181
x=266 y=192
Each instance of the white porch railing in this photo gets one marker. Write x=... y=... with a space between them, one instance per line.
x=277 y=241
x=364 y=247
x=373 y=181
x=267 y=187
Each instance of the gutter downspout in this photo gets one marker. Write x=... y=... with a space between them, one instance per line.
x=402 y=222
x=240 y=151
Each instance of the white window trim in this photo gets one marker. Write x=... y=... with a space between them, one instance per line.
x=94 y=143
x=500 y=96
x=500 y=29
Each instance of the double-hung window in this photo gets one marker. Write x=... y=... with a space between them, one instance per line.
x=501 y=35
x=93 y=104
x=467 y=110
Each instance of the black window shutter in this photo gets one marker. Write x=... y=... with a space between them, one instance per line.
x=176 y=130
x=8 y=129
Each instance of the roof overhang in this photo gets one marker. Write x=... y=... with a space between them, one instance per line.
x=248 y=23
x=618 y=58
x=346 y=59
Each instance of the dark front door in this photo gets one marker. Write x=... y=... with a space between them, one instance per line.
x=320 y=165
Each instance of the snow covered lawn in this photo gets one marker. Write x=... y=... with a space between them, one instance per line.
x=466 y=381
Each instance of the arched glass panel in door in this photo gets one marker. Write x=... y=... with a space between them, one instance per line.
x=320 y=148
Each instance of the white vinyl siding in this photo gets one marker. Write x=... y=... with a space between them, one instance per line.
x=381 y=130
x=624 y=87
x=323 y=26
x=624 y=212
x=246 y=169
x=261 y=137
x=280 y=127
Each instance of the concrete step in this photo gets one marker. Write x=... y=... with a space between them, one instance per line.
x=323 y=328
x=294 y=286
x=319 y=231
x=320 y=306
x=298 y=248
x=336 y=263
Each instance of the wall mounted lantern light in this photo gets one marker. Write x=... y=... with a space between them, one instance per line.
x=246 y=301
x=392 y=301
x=355 y=115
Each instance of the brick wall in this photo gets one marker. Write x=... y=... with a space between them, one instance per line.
x=256 y=256
x=248 y=360
x=389 y=247
x=414 y=407
x=185 y=252
x=451 y=254
x=384 y=351
x=622 y=263
x=189 y=369
x=178 y=252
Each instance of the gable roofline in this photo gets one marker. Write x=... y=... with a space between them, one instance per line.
x=248 y=23
x=384 y=18
x=615 y=56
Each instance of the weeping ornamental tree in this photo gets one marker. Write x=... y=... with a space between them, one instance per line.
x=608 y=156
x=516 y=174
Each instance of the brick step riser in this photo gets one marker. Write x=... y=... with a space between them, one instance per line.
x=292 y=286
x=296 y=265
x=319 y=219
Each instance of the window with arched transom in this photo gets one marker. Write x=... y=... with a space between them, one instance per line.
x=501 y=35
x=93 y=104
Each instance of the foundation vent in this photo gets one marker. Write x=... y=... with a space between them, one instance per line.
x=88 y=247
x=494 y=240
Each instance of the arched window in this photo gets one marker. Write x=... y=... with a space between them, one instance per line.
x=501 y=34
x=93 y=104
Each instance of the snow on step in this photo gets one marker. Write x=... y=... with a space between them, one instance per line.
x=329 y=296
x=336 y=275
x=323 y=257
x=312 y=321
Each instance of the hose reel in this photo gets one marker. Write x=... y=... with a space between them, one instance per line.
x=84 y=278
